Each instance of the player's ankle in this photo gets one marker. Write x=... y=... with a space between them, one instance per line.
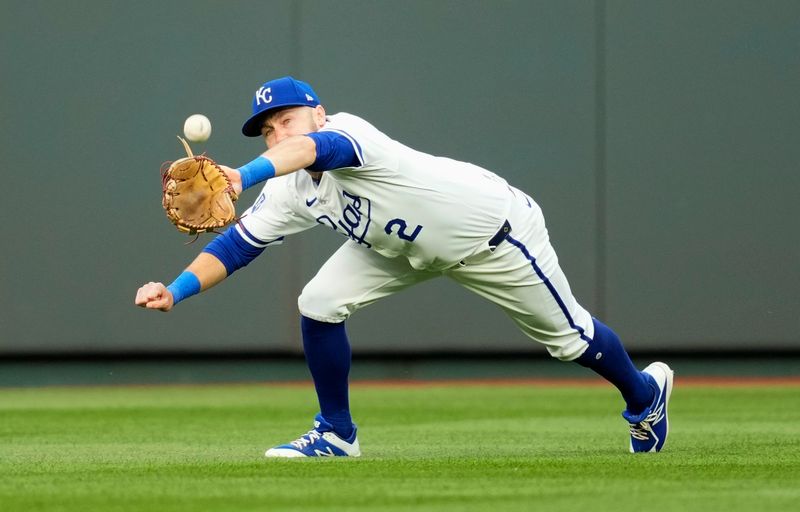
x=642 y=401
x=341 y=422
x=344 y=432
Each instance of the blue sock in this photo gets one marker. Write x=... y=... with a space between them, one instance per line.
x=328 y=357
x=607 y=357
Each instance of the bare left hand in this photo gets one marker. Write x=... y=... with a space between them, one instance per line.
x=234 y=176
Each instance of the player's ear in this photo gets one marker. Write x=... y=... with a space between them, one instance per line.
x=319 y=116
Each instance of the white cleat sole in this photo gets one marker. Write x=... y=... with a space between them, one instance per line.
x=284 y=453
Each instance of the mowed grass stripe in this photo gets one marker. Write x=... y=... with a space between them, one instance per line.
x=591 y=381
x=468 y=447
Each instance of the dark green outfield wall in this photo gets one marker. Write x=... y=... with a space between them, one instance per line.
x=662 y=140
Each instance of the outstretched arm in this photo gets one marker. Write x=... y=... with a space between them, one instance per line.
x=206 y=268
x=290 y=155
x=319 y=151
x=221 y=257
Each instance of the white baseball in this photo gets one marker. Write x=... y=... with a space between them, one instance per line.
x=197 y=128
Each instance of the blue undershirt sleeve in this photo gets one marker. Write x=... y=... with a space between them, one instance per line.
x=232 y=250
x=334 y=151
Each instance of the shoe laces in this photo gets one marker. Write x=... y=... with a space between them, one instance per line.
x=306 y=439
x=642 y=430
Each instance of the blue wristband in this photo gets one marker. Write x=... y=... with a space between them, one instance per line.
x=186 y=285
x=260 y=169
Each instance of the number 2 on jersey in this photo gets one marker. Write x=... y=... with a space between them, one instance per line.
x=401 y=232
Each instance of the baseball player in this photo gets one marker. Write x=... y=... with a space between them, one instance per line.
x=407 y=217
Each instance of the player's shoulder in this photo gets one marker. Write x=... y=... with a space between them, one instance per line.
x=284 y=188
x=358 y=130
x=343 y=121
x=282 y=196
x=343 y=118
x=285 y=181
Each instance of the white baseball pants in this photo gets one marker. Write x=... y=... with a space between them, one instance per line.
x=521 y=275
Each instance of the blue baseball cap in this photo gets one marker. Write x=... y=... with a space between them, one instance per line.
x=275 y=94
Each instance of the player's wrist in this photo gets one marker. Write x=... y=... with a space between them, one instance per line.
x=260 y=169
x=184 y=286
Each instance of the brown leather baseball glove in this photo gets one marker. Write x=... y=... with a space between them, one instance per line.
x=197 y=196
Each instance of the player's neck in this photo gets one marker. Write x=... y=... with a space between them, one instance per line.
x=315 y=175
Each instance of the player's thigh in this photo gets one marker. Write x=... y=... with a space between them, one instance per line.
x=523 y=277
x=354 y=277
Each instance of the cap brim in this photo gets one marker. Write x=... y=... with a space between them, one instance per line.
x=252 y=127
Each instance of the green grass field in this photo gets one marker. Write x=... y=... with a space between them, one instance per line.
x=462 y=446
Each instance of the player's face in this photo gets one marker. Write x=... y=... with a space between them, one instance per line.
x=291 y=121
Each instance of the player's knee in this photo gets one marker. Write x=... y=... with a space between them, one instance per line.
x=567 y=350
x=564 y=344
x=321 y=303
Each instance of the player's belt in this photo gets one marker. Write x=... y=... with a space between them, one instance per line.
x=501 y=235
x=496 y=240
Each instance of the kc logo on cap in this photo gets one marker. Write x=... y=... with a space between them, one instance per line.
x=278 y=93
x=261 y=95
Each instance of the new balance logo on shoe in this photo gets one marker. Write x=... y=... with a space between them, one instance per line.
x=321 y=441
x=650 y=428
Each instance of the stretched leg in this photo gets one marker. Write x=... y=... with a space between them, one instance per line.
x=523 y=277
x=607 y=357
x=351 y=279
x=328 y=356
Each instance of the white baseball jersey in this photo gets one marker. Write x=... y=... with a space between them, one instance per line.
x=431 y=210
x=411 y=217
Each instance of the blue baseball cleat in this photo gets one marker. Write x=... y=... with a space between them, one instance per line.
x=650 y=428
x=322 y=441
